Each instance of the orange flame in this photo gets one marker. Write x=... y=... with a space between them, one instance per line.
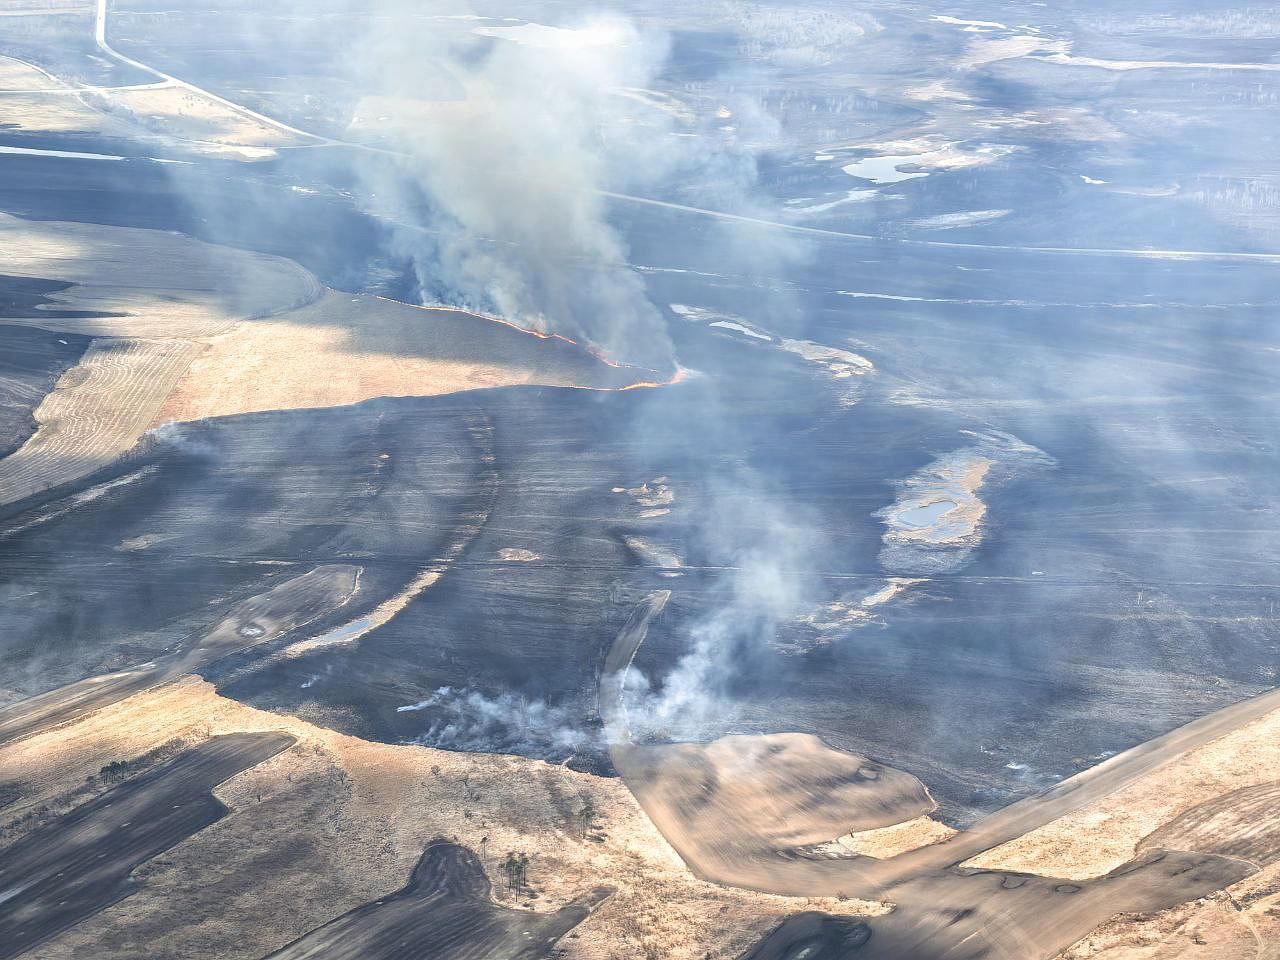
x=590 y=348
x=649 y=384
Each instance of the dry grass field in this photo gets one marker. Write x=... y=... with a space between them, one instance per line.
x=157 y=111
x=192 y=330
x=196 y=121
x=1218 y=798
x=336 y=822
x=346 y=348
x=95 y=414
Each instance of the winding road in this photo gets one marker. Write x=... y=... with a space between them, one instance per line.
x=100 y=37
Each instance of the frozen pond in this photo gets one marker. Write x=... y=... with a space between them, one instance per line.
x=884 y=169
x=925 y=514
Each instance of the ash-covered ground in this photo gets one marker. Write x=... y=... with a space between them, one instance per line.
x=944 y=287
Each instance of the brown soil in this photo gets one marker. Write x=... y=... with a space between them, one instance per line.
x=1240 y=923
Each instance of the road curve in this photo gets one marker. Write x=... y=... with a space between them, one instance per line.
x=100 y=38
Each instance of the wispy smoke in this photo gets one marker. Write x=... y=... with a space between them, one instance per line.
x=510 y=135
x=465 y=719
x=511 y=151
x=763 y=546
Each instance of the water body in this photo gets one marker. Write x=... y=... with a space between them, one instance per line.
x=884 y=169
x=924 y=515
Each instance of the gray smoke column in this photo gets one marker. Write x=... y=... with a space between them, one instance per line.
x=761 y=541
x=511 y=135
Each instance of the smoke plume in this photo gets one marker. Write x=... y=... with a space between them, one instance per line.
x=519 y=132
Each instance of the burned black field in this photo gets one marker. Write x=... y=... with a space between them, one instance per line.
x=513 y=480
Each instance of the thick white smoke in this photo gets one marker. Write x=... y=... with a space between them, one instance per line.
x=762 y=548
x=511 y=135
x=465 y=719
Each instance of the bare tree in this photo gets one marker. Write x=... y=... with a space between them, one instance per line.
x=587 y=816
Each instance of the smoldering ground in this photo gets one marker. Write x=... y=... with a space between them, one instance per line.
x=1145 y=379
x=511 y=136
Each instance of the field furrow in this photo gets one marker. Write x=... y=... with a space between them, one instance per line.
x=96 y=413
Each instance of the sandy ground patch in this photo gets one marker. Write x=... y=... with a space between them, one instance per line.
x=1240 y=923
x=890 y=841
x=517 y=555
x=735 y=806
x=951 y=485
x=336 y=821
x=52 y=112
x=845 y=613
x=17 y=74
x=653 y=497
